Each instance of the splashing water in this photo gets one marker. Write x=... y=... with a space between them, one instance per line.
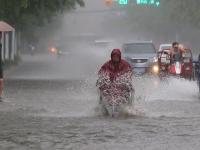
x=115 y=94
x=175 y=89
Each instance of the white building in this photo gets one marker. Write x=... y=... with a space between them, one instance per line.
x=8 y=40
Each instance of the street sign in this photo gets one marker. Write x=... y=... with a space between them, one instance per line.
x=148 y=2
x=123 y=2
x=155 y=3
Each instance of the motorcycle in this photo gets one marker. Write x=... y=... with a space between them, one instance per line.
x=176 y=68
x=180 y=65
x=115 y=97
x=163 y=62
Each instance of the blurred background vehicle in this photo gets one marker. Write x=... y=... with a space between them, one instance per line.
x=142 y=56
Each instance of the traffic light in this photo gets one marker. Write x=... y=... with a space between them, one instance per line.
x=108 y=2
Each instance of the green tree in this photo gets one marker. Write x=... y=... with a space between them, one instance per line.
x=26 y=15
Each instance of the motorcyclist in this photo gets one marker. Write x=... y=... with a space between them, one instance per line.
x=116 y=71
x=176 y=52
x=197 y=69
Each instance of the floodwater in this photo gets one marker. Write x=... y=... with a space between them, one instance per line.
x=49 y=105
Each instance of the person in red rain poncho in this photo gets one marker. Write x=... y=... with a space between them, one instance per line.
x=116 y=70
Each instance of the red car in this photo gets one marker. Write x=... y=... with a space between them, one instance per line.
x=182 y=67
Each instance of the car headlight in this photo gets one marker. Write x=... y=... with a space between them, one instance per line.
x=53 y=50
x=155 y=69
x=155 y=59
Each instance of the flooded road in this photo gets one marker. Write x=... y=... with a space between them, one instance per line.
x=22 y=132
x=47 y=108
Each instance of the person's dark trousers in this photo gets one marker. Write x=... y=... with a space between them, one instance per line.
x=1 y=83
x=1 y=73
x=197 y=73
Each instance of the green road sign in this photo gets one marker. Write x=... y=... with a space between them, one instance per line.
x=148 y=2
x=155 y=3
x=123 y=2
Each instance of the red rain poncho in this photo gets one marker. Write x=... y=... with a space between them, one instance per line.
x=112 y=73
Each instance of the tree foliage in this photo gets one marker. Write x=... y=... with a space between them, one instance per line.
x=23 y=14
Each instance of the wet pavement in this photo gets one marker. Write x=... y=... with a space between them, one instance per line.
x=47 y=107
